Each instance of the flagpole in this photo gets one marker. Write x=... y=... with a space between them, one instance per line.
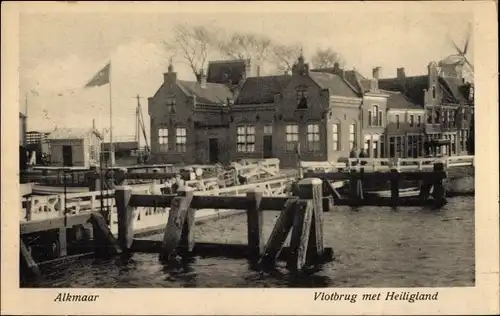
x=111 y=147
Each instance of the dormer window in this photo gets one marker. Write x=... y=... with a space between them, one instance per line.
x=302 y=98
x=171 y=105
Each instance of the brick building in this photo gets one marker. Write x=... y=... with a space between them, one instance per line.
x=448 y=102
x=189 y=120
x=231 y=114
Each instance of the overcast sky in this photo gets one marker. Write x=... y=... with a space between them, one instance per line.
x=60 y=51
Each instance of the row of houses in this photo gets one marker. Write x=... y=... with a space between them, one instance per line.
x=324 y=114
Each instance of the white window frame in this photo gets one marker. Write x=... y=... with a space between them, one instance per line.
x=181 y=139
x=336 y=136
x=245 y=138
x=291 y=136
x=163 y=139
x=352 y=136
x=313 y=137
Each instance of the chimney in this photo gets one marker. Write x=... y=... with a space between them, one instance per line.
x=171 y=75
x=376 y=73
x=401 y=73
x=258 y=71
x=202 y=79
x=336 y=67
x=248 y=69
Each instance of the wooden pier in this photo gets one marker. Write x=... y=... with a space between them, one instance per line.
x=110 y=222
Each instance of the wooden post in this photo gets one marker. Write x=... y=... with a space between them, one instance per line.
x=104 y=239
x=439 y=191
x=125 y=217
x=394 y=187
x=300 y=235
x=62 y=242
x=279 y=234
x=175 y=224
x=187 y=241
x=359 y=184
x=27 y=262
x=312 y=189
x=255 y=222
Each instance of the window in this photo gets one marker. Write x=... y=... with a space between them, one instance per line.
x=93 y=155
x=268 y=129
x=375 y=116
x=335 y=138
x=437 y=117
x=313 y=137
x=397 y=120
x=163 y=139
x=412 y=119
x=419 y=120
x=302 y=98
x=180 y=139
x=245 y=141
x=292 y=136
x=453 y=144
x=392 y=147
x=382 y=146
x=433 y=92
x=429 y=116
x=171 y=105
x=450 y=120
x=352 y=136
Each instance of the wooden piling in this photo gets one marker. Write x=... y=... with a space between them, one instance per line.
x=27 y=263
x=439 y=176
x=312 y=189
x=62 y=241
x=125 y=214
x=255 y=223
x=301 y=235
x=175 y=224
x=187 y=241
x=106 y=244
x=279 y=234
x=394 y=179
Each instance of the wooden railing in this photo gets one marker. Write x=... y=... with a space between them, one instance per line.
x=302 y=216
x=385 y=164
x=40 y=208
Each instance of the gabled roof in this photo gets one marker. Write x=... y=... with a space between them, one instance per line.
x=261 y=90
x=227 y=71
x=413 y=88
x=398 y=100
x=356 y=81
x=72 y=133
x=333 y=83
x=209 y=93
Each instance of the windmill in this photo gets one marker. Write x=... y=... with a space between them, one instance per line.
x=457 y=65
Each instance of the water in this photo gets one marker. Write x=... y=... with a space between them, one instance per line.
x=374 y=247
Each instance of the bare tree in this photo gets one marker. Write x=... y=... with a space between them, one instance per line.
x=325 y=58
x=285 y=55
x=247 y=46
x=194 y=44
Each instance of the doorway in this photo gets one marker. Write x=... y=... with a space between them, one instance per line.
x=268 y=146
x=213 y=150
x=67 y=155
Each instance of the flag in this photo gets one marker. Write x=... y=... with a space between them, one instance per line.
x=101 y=78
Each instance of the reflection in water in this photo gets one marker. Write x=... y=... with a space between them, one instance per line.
x=374 y=247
